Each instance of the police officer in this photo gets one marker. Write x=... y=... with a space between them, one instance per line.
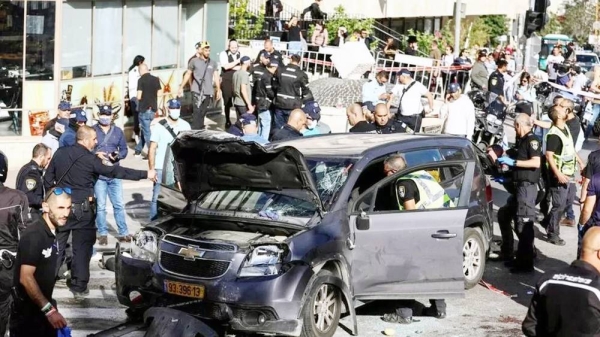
x=561 y=159
x=78 y=168
x=77 y=118
x=496 y=82
x=260 y=68
x=291 y=84
x=64 y=110
x=264 y=94
x=525 y=159
x=565 y=303
x=230 y=63
x=384 y=124
x=13 y=212
x=29 y=179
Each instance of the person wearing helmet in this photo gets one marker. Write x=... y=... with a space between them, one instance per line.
x=162 y=134
x=13 y=213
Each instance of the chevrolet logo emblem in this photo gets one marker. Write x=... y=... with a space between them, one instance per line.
x=191 y=253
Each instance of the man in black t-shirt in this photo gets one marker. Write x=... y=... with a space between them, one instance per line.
x=34 y=312
x=356 y=119
x=148 y=90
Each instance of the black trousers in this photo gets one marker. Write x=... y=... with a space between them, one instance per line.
x=6 y=276
x=413 y=121
x=133 y=105
x=227 y=90
x=81 y=226
x=29 y=321
x=519 y=208
x=199 y=109
x=240 y=110
x=559 y=195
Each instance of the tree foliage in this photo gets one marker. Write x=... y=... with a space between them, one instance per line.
x=246 y=23
x=340 y=19
x=554 y=26
x=475 y=30
x=579 y=15
x=496 y=25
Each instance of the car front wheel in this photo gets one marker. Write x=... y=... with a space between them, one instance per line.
x=322 y=310
x=473 y=257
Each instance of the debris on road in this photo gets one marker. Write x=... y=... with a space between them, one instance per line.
x=389 y=332
x=496 y=290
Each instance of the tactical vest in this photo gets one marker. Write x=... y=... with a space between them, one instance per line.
x=565 y=162
x=227 y=75
x=431 y=194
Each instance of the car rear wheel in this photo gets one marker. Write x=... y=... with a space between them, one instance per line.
x=322 y=310
x=473 y=257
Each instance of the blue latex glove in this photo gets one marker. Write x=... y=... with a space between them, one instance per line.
x=507 y=161
x=499 y=180
x=64 y=332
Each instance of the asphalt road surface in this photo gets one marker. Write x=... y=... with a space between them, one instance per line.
x=482 y=312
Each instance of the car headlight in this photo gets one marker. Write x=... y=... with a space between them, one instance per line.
x=262 y=261
x=144 y=246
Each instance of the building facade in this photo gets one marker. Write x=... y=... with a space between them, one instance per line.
x=81 y=51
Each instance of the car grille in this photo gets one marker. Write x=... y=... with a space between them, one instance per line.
x=200 y=244
x=198 y=268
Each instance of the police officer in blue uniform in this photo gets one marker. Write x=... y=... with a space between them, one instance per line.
x=78 y=168
x=76 y=119
x=29 y=179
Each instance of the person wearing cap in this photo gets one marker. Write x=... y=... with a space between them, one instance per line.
x=292 y=84
x=242 y=92
x=458 y=113
x=264 y=94
x=29 y=179
x=314 y=126
x=64 y=110
x=410 y=92
x=51 y=138
x=13 y=214
x=202 y=71
x=77 y=118
x=111 y=148
x=374 y=91
x=412 y=47
x=163 y=133
x=293 y=128
x=230 y=61
x=148 y=90
x=260 y=68
x=479 y=72
x=270 y=49
x=250 y=129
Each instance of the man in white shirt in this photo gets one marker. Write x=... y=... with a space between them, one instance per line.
x=374 y=91
x=579 y=78
x=458 y=112
x=410 y=92
x=555 y=58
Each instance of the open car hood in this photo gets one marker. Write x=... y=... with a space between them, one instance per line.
x=214 y=161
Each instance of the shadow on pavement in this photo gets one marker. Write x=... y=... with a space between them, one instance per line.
x=138 y=209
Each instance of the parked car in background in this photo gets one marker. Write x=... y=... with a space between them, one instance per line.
x=282 y=239
x=587 y=60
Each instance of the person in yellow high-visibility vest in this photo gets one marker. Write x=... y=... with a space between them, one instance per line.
x=416 y=190
x=562 y=162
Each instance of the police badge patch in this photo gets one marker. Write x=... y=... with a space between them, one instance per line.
x=401 y=191
x=535 y=144
x=494 y=81
x=30 y=184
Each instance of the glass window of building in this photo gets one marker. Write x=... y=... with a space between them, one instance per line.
x=428 y=26
x=76 y=40
x=437 y=25
x=138 y=19
x=108 y=37
x=12 y=20
x=39 y=57
x=165 y=34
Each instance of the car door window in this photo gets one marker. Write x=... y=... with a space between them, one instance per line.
x=430 y=191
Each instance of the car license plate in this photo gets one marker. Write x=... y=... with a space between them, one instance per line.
x=184 y=289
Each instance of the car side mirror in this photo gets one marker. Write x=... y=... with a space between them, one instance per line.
x=363 y=222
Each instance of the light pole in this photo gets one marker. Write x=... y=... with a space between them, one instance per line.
x=457 y=19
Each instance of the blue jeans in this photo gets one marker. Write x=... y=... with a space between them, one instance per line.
x=264 y=118
x=281 y=118
x=145 y=118
x=590 y=128
x=114 y=189
x=155 y=192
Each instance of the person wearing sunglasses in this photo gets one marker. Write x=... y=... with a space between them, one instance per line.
x=77 y=167
x=13 y=212
x=34 y=311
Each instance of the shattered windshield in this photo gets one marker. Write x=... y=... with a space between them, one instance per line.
x=329 y=175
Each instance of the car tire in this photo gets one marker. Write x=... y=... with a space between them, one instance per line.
x=474 y=256
x=323 y=301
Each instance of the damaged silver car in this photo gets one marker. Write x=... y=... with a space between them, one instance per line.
x=283 y=239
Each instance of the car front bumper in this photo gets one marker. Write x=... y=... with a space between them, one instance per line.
x=262 y=305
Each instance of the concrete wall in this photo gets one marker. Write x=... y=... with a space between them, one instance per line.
x=422 y=8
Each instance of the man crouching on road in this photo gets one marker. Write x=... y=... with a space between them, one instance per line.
x=34 y=312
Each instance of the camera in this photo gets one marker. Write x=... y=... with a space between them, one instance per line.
x=114 y=157
x=562 y=68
